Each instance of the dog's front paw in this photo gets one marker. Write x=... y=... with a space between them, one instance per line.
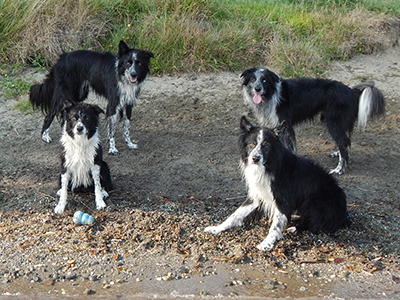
x=100 y=204
x=59 y=209
x=132 y=146
x=113 y=151
x=265 y=246
x=212 y=229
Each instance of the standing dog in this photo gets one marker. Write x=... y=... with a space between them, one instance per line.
x=116 y=78
x=275 y=100
x=279 y=184
x=82 y=162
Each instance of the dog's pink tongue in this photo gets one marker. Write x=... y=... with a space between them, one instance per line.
x=257 y=97
x=133 y=79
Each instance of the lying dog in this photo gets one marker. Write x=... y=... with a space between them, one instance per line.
x=280 y=184
x=82 y=158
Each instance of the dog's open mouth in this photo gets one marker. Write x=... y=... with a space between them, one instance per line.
x=132 y=79
x=257 y=97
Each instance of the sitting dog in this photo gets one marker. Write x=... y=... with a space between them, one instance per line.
x=280 y=184
x=82 y=162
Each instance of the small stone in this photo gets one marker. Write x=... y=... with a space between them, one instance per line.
x=70 y=277
x=269 y=287
x=90 y=292
x=93 y=278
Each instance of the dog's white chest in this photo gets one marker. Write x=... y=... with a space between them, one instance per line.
x=79 y=154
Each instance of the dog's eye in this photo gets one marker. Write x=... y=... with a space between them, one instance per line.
x=129 y=63
x=264 y=80
x=74 y=118
x=252 y=145
x=138 y=63
x=85 y=117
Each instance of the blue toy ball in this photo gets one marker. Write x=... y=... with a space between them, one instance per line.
x=81 y=218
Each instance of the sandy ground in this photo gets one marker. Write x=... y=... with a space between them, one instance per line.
x=149 y=242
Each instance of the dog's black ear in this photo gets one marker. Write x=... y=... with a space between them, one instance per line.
x=122 y=48
x=279 y=129
x=149 y=54
x=245 y=125
x=97 y=110
x=246 y=72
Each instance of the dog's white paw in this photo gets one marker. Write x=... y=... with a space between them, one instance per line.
x=212 y=229
x=59 y=209
x=113 y=151
x=46 y=137
x=338 y=171
x=265 y=246
x=334 y=154
x=100 y=204
x=132 y=146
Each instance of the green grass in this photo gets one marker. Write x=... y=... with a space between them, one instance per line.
x=294 y=37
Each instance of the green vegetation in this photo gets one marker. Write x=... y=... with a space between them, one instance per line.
x=294 y=37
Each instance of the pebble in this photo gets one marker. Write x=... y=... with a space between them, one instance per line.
x=90 y=292
x=70 y=276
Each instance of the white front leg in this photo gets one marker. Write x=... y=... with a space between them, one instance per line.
x=99 y=192
x=235 y=219
x=279 y=223
x=63 y=193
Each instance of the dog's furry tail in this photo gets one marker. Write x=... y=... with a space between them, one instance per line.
x=41 y=95
x=371 y=102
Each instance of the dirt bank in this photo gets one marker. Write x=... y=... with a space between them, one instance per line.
x=150 y=241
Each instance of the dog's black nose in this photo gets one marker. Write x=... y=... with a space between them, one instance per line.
x=80 y=128
x=258 y=89
x=256 y=159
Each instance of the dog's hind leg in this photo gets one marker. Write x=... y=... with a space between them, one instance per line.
x=343 y=142
x=279 y=223
x=99 y=192
x=63 y=193
x=46 y=125
x=235 y=219
x=127 y=123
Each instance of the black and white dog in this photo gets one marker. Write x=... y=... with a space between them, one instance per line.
x=82 y=162
x=280 y=184
x=274 y=100
x=116 y=78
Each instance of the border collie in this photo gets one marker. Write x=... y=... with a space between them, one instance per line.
x=118 y=79
x=274 y=100
x=82 y=162
x=280 y=184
